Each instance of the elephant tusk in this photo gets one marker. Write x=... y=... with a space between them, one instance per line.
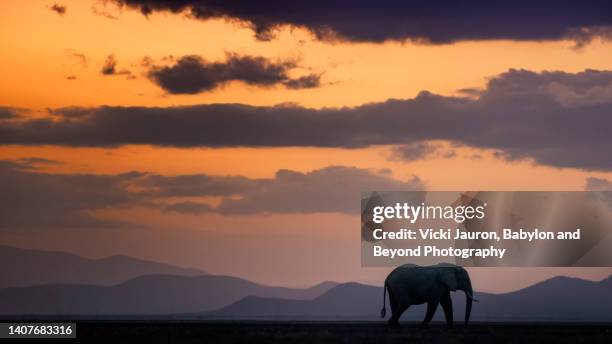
x=471 y=297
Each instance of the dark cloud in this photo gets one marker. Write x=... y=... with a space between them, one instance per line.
x=434 y=22
x=59 y=9
x=101 y=8
x=584 y=36
x=110 y=67
x=307 y=81
x=33 y=162
x=331 y=189
x=188 y=207
x=415 y=151
x=598 y=184
x=33 y=199
x=556 y=118
x=192 y=74
x=8 y=113
x=78 y=58
x=194 y=185
x=421 y=150
x=470 y=92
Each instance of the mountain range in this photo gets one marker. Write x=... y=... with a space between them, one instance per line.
x=38 y=283
x=556 y=299
x=22 y=267
x=150 y=294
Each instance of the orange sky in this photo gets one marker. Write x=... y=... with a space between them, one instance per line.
x=41 y=49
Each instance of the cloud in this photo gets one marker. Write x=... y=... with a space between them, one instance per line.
x=598 y=184
x=585 y=35
x=329 y=189
x=188 y=207
x=555 y=118
x=76 y=57
x=101 y=8
x=421 y=150
x=422 y=21
x=470 y=92
x=34 y=162
x=333 y=188
x=59 y=9
x=192 y=74
x=110 y=67
x=194 y=185
x=307 y=81
x=33 y=199
x=8 y=113
x=590 y=87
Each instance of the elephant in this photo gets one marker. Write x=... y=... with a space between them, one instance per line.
x=413 y=285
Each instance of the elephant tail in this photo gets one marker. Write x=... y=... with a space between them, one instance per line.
x=383 y=311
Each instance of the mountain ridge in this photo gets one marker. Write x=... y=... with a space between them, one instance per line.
x=20 y=267
x=149 y=294
x=543 y=301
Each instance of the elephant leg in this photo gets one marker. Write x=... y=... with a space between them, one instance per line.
x=447 y=306
x=395 y=311
x=396 y=314
x=394 y=321
x=431 y=309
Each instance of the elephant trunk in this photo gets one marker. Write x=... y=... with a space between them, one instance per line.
x=468 y=301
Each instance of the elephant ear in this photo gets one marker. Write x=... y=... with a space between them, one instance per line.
x=448 y=277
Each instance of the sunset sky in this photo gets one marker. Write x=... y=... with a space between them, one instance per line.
x=237 y=140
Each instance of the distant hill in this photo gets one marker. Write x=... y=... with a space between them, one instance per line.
x=21 y=267
x=65 y=284
x=348 y=300
x=556 y=299
x=153 y=294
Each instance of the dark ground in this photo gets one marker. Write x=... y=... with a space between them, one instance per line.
x=252 y=332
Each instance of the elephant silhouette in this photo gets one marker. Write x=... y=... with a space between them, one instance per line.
x=413 y=285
